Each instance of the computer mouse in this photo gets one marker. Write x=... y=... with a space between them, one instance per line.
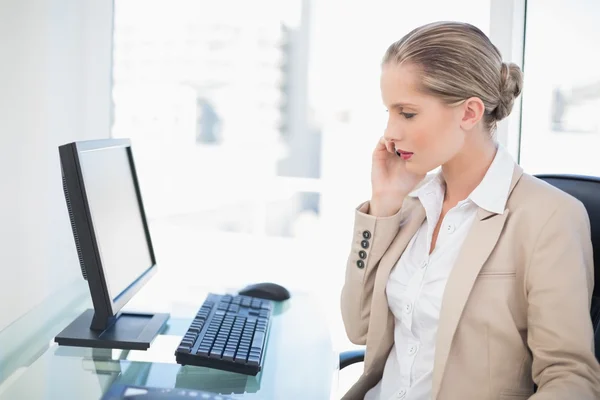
x=266 y=290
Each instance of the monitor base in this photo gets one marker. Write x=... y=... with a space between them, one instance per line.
x=130 y=331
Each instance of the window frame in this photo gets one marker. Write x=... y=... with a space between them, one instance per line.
x=508 y=19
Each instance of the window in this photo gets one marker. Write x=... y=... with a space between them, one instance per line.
x=560 y=130
x=253 y=130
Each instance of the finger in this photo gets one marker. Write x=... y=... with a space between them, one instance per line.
x=381 y=145
x=390 y=147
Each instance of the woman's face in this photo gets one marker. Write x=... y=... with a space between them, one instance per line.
x=426 y=131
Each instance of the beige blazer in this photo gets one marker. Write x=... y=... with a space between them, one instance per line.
x=515 y=309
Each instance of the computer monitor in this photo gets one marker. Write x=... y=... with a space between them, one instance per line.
x=113 y=243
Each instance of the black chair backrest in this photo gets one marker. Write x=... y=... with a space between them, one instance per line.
x=587 y=190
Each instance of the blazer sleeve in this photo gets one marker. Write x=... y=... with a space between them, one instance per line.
x=559 y=285
x=371 y=238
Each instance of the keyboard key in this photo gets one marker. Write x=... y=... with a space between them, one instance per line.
x=254 y=353
x=183 y=349
x=228 y=355
x=234 y=308
x=203 y=351
x=258 y=339
x=217 y=351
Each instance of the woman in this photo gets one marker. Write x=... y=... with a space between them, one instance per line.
x=475 y=282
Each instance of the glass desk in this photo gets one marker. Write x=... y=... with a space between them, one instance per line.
x=300 y=362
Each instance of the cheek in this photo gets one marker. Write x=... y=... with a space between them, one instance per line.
x=435 y=132
x=425 y=134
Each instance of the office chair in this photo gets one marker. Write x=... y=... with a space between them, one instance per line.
x=587 y=190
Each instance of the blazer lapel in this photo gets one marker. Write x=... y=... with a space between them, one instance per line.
x=478 y=245
x=406 y=233
x=382 y=320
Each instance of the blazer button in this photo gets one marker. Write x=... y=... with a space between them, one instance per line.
x=362 y=254
x=364 y=244
x=367 y=235
x=360 y=264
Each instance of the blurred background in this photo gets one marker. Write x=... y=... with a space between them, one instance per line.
x=252 y=124
x=253 y=129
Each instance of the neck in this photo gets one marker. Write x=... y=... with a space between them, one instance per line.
x=466 y=170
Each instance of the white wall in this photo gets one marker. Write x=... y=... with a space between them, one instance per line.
x=55 y=87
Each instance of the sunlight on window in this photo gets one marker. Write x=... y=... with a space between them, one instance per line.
x=252 y=130
x=560 y=130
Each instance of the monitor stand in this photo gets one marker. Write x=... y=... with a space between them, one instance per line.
x=129 y=331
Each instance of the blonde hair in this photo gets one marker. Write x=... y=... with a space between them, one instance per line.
x=458 y=61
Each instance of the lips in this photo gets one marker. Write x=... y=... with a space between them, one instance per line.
x=405 y=155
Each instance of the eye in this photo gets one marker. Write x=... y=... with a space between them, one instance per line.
x=408 y=115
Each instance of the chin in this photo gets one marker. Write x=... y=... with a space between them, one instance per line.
x=417 y=168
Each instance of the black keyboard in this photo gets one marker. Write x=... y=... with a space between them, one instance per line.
x=228 y=333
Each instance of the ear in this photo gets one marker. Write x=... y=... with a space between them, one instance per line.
x=473 y=110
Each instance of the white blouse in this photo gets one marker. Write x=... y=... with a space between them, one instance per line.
x=416 y=284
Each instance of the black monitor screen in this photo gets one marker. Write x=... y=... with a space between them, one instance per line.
x=116 y=216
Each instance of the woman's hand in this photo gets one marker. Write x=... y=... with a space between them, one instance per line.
x=390 y=181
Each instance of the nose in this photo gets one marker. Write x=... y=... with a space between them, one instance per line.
x=393 y=132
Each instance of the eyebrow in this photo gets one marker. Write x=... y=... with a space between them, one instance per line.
x=402 y=105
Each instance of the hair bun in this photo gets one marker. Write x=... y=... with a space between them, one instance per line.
x=511 y=84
